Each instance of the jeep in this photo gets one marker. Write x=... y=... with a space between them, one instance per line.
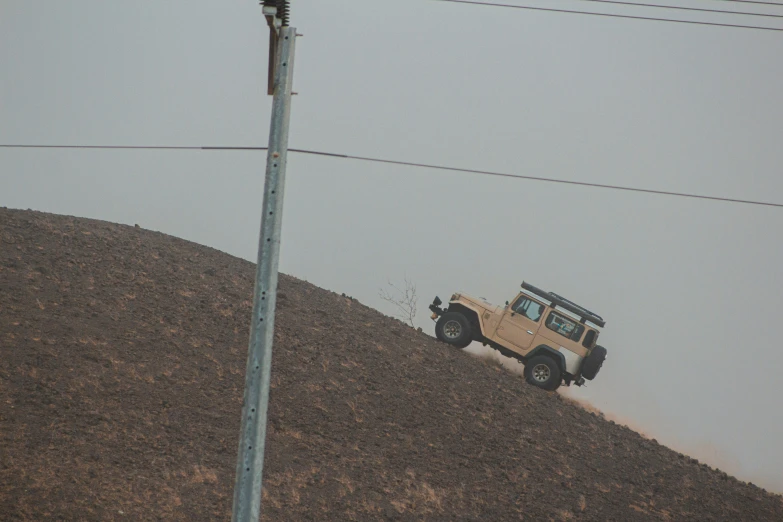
x=553 y=337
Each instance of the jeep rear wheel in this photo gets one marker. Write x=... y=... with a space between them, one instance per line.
x=593 y=363
x=455 y=329
x=543 y=372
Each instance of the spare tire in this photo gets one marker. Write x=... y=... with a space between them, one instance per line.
x=593 y=363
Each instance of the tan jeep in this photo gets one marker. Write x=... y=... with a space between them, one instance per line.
x=545 y=331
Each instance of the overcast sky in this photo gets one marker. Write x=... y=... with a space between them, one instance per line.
x=690 y=289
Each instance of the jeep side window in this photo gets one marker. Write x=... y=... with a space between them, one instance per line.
x=564 y=326
x=528 y=308
x=577 y=334
x=589 y=338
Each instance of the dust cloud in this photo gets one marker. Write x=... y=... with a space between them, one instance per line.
x=488 y=354
x=703 y=451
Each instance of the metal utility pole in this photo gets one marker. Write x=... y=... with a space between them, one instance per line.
x=250 y=460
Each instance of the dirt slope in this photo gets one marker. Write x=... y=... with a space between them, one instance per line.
x=122 y=355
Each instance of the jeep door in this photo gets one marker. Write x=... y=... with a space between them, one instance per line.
x=521 y=322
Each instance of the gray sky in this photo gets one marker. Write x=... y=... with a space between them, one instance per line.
x=687 y=286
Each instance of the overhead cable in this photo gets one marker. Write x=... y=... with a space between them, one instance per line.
x=610 y=15
x=680 y=8
x=414 y=164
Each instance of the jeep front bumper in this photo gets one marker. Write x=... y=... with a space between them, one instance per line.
x=437 y=311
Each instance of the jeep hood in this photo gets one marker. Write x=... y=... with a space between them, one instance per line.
x=478 y=301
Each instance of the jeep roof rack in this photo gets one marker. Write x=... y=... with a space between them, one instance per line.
x=558 y=300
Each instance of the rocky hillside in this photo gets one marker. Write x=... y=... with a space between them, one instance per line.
x=122 y=355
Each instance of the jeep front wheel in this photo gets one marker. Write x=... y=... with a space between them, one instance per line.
x=455 y=329
x=543 y=372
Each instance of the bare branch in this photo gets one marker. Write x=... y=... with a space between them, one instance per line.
x=404 y=300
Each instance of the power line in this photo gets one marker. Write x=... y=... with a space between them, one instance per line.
x=413 y=164
x=569 y=11
x=718 y=11
x=752 y=2
x=130 y=147
x=538 y=178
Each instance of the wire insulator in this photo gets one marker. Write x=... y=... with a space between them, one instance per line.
x=283 y=11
